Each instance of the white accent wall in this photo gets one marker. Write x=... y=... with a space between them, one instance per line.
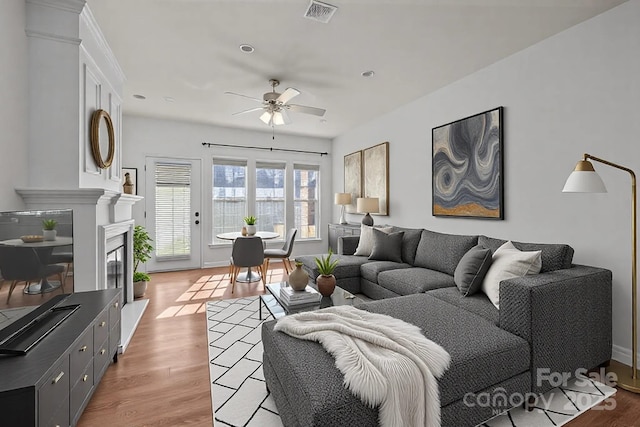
x=176 y=139
x=575 y=92
x=14 y=107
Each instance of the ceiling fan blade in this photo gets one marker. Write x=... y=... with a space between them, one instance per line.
x=288 y=95
x=266 y=117
x=244 y=96
x=285 y=116
x=248 y=111
x=306 y=110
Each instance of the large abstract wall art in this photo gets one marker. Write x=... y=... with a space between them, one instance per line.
x=467 y=167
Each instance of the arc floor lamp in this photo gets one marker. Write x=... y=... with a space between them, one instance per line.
x=584 y=179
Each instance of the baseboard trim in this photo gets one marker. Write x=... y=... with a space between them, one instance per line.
x=623 y=355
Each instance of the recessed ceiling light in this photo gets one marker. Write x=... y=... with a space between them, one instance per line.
x=369 y=73
x=137 y=96
x=169 y=99
x=246 y=48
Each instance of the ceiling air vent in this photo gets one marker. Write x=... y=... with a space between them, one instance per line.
x=321 y=12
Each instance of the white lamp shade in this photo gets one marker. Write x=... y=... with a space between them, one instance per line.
x=367 y=205
x=584 y=182
x=342 y=198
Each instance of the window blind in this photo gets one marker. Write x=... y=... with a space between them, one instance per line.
x=173 y=211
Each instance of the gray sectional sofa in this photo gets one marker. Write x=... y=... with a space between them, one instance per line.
x=557 y=321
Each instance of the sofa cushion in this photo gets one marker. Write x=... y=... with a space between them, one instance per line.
x=442 y=252
x=387 y=246
x=406 y=281
x=471 y=270
x=478 y=304
x=410 y=242
x=481 y=353
x=371 y=269
x=554 y=256
x=348 y=265
x=509 y=262
x=365 y=244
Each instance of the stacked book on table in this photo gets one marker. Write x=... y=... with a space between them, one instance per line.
x=293 y=298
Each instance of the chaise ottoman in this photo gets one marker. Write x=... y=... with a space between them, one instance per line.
x=308 y=389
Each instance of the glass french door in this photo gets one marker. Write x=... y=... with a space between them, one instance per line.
x=173 y=212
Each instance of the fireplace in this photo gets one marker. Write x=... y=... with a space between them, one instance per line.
x=117 y=264
x=115 y=257
x=102 y=223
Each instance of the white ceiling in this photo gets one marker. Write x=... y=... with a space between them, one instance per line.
x=189 y=50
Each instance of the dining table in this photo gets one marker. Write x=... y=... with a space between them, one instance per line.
x=248 y=276
x=44 y=249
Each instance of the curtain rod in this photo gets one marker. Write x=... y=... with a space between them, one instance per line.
x=209 y=144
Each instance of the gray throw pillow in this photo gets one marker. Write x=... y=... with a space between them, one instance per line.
x=472 y=269
x=387 y=247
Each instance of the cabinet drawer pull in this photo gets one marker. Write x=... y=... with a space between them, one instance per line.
x=103 y=351
x=85 y=378
x=58 y=378
x=102 y=324
x=116 y=305
x=83 y=348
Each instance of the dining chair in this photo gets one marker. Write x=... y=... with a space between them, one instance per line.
x=247 y=252
x=283 y=253
x=65 y=258
x=20 y=264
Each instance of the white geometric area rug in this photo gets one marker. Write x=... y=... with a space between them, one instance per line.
x=238 y=390
x=240 y=398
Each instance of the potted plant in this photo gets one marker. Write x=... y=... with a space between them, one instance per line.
x=49 y=229
x=250 y=221
x=326 y=281
x=141 y=253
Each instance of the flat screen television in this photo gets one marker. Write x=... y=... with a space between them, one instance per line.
x=35 y=267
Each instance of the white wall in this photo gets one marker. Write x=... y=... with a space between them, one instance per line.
x=13 y=108
x=144 y=137
x=576 y=92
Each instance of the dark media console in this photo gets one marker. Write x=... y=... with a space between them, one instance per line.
x=52 y=382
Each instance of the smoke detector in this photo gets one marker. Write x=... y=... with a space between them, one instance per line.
x=321 y=12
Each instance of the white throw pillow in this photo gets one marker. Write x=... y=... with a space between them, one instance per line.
x=365 y=244
x=509 y=262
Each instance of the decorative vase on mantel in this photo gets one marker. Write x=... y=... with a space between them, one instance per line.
x=326 y=284
x=298 y=278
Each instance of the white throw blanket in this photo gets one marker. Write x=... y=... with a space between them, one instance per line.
x=385 y=361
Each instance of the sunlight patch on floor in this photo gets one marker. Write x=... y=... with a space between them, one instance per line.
x=217 y=286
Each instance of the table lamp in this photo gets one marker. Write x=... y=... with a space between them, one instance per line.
x=367 y=205
x=342 y=199
x=584 y=179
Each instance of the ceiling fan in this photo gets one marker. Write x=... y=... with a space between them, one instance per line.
x=275 y=105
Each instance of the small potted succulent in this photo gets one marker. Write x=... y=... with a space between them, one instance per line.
x=142 y=249
x=250 y=221
x=326 y=281
x=49 y=229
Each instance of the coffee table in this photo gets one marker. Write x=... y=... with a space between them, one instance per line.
x=277 y=308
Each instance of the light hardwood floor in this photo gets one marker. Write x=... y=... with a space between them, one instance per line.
x=163 y=378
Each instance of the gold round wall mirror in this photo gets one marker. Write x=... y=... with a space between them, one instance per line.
x=103 y=140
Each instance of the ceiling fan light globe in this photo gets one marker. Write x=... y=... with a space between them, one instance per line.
x=266 y=117
x=278 y=119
